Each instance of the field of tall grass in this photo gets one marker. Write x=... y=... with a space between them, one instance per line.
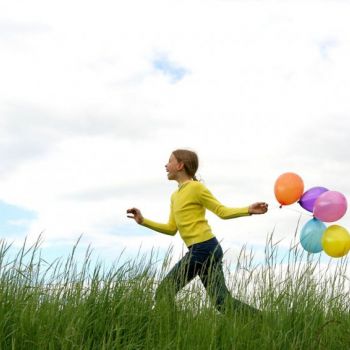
x=69 y=305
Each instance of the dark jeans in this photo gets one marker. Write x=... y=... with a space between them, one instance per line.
x=205 y=260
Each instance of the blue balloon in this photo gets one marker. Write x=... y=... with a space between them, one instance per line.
x=311 y=235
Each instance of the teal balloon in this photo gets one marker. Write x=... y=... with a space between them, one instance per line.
x=311 y=235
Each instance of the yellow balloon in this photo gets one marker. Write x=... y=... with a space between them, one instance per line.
x=336 y=241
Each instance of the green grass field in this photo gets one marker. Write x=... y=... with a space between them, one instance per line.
x=304 y=304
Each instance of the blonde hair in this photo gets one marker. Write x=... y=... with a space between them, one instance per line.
x=190 y=160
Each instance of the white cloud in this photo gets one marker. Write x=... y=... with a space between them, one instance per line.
x=87 y=122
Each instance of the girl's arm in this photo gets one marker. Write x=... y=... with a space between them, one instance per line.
x=169 y=229
x=210 y=202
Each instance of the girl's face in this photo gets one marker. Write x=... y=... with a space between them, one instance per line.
x=173 y=167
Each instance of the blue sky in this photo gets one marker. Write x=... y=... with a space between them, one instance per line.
x=90 y=114
x=14 y=221
x=172 y=70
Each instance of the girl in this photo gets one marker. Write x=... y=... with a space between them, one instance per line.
x=187 y=215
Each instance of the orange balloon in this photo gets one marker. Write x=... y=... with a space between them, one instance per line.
x=289 y=187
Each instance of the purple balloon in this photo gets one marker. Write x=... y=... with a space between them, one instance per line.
x=308 y=199
x=330 y=206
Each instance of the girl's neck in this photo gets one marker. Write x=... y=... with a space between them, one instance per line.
x=183 y=182
x=183 y=179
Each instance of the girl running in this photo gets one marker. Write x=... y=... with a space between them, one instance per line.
x=187 y=215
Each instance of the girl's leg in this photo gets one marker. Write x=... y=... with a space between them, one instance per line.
x=212 y=277
x=181 y=274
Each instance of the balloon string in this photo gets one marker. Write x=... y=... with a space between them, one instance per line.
x=274 y=208
x=300 y=212
x=286 y=208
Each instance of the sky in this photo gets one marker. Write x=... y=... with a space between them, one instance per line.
x=94 y=97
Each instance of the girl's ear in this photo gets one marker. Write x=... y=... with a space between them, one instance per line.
x=180 y=166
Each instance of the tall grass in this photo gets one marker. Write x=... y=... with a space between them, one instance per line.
x=66 y=305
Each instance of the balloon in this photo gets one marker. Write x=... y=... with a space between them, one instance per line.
x=311 y=235
x=336 y=241
x=330 y=206
x=288 y=188
x=308 y=199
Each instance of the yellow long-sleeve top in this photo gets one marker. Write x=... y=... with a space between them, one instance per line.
x=187 y=213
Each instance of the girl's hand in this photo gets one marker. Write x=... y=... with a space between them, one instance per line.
x=137 y=216
x=258 y=208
